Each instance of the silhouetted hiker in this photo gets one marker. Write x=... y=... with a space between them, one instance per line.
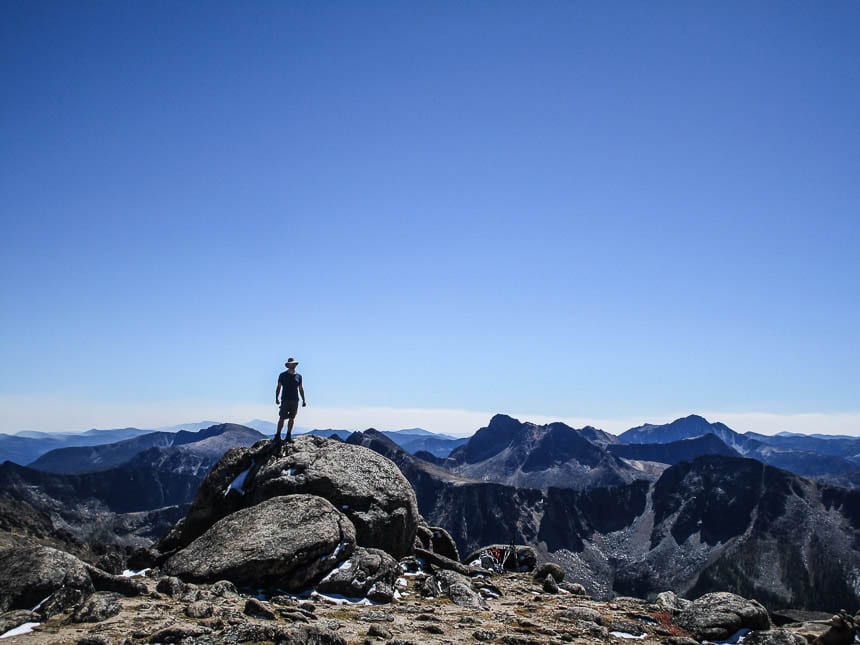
x=291 y=383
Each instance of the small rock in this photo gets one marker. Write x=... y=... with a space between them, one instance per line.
x=776 y=637
x=376 y=617
x=432 y=629
x=285 y=601
x=254 y=607
x=668 y=601
x=583 y=613
x=98 y=607
x=378 y=631
x=93 y=640
x=574 y=588
x=626 y=626
x=293 y=615
x=172 y=586
x=177 y=633
x=13 y=619
x=224 y=588
x=381 y=592
x=199 y=609
x=549 y=568
x=484 y=635
x=330 y=624
x=550 y=585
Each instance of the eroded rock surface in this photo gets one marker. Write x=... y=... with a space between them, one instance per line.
x=365 y=486
x=718 y=615
x=367 y=572
x=288 y=542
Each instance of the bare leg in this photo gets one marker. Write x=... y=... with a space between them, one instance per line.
x=290 y=427
x=280 y=427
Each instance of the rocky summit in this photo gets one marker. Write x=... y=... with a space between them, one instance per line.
x=321 y=541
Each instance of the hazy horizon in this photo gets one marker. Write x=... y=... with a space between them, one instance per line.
x=461 y=423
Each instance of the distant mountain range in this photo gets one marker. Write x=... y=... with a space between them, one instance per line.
x=211 y=442
x=132 y=502
x=690 y=505
x=711 y=523
x=835 y=460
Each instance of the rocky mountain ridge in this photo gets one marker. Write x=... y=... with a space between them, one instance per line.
x=716 y=523
x=279 y=534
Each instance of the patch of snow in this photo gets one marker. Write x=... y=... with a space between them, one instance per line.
x=734 y=639
x=337 y=599
x=337 y=549
x=343 y=566
x=289 y=472
x=238 y=483
x=401 y=582
x=128 y=573
x=345 y=507
x=26 y=628
x=628 y=636
x=397 y=595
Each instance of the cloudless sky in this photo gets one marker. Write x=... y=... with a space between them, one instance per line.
x=565 y=208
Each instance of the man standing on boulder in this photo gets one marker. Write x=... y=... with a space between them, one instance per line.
x=291 y=383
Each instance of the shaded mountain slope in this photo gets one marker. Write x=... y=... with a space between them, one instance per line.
x=212 y=441
x=782 y=452
x=134 y=502
x=24 y=447
x=716 y=523
x=674 y=452
x=532 y=456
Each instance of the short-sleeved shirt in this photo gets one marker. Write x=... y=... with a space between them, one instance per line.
x=289 y=385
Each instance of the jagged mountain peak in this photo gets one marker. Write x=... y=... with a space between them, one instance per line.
x=526 y=454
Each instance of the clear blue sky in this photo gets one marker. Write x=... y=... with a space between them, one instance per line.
x=565 y=208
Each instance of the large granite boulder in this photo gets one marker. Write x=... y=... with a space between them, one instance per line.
x=29 y=575
x=53 y=580
x=719 y=615
x=287 y=541
x=366 y=486
x=368 y=572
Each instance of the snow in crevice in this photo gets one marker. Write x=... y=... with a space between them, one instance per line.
x=238 y=483
x=628 y=636
x=343 y=566
x=337 y=599
x=129 y=573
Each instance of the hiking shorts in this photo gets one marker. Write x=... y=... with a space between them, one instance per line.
x=289 y=409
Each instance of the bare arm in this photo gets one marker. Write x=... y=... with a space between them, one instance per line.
x=278 y=394
x=302 y=392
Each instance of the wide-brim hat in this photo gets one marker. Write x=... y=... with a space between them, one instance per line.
x=291 y=361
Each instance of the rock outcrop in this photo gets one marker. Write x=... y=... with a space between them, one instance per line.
x=364 y=486
x=719 y=615
x=367 y=573
x=368 y=488
x=53 y=581
x=286 y=541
